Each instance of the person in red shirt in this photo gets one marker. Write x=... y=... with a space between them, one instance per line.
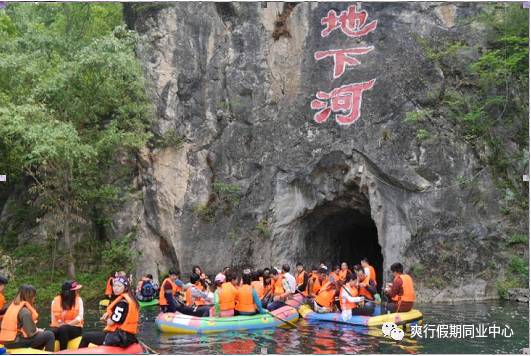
x=401 y=292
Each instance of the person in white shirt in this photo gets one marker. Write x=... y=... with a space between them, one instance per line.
x=291 y=282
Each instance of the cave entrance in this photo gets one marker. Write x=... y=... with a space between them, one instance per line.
x=339 y=234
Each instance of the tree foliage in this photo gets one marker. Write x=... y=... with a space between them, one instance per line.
x=72 y=101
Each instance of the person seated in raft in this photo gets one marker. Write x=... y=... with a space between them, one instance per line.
x=313 y=283
x=351 y=302
x=3 y=307
x=281 y=290
x=19 y=325
x=366 y=287
x=121 y=316
x=268 y=288
x=222 y=273
x=257 y=284
x=290 y=280
x=324 y=300
x=343 y=272
x=301 y=279
x=205 y=281
x=67 y=314
x=170 y=288
x=146 y=289
x=247 y=300
x=197 y=298
x=334 y=275
x=225 y=296
x=369 y=270
x=401 y=292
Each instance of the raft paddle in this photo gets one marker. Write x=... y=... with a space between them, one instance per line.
x=148 y=348
x=283 y=320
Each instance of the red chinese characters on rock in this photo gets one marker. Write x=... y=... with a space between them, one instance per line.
x=342 y=58
x=345 y=101
x=351 y=22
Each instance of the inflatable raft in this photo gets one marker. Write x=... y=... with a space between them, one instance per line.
x=134 y=349
x=73 y=348
x=178 y=323
x=410 y=317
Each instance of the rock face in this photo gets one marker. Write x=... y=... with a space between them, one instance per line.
x=236 y=81
x=519 y=294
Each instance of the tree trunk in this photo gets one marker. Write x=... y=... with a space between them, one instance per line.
x=71 y=269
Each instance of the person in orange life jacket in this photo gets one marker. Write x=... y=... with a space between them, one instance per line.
x=225 y=296
x=351 y=302
x=146 y=288
x=281 y=290
x=169 y=290
x=258 y=284
x=19 y=325
x=3 y=307
x=366 y=287
x=247 y=300
x=334 y=275
x=301 y=279
x=369 y=270
x=67 y=314
x=313 y=283
x=324 y=300
x=122 y=319
x=401 y=292
x=268 y=287
x=343 y=272
x=197 y=298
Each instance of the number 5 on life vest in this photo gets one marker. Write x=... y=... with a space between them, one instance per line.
x=117 y=315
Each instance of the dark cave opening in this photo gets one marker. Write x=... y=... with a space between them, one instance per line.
x=336 y=235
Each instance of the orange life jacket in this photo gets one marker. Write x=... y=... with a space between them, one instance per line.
x=364 y=291
x=349 y=292
x=108 y=287
x=259 y=286
x=326 y=295
x=343 y=275
x=372 y=274
x=300 y=281
x=130 y=323
x=268 y=288
x=279 y=288
x=64 y=316
x=316 y=286
x=196 y=301
x=174 y=290
x=245 y=301
x=2 y=300
x=408 y=289
x=9 y=328
x=227 y=296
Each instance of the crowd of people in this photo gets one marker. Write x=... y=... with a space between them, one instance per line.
x=350 y=291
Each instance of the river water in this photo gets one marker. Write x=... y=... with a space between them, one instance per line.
x=330 y=338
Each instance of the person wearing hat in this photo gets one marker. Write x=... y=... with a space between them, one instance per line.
x=122 y=319
x=67 y=314
x=19 y=325
x=3 y=282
